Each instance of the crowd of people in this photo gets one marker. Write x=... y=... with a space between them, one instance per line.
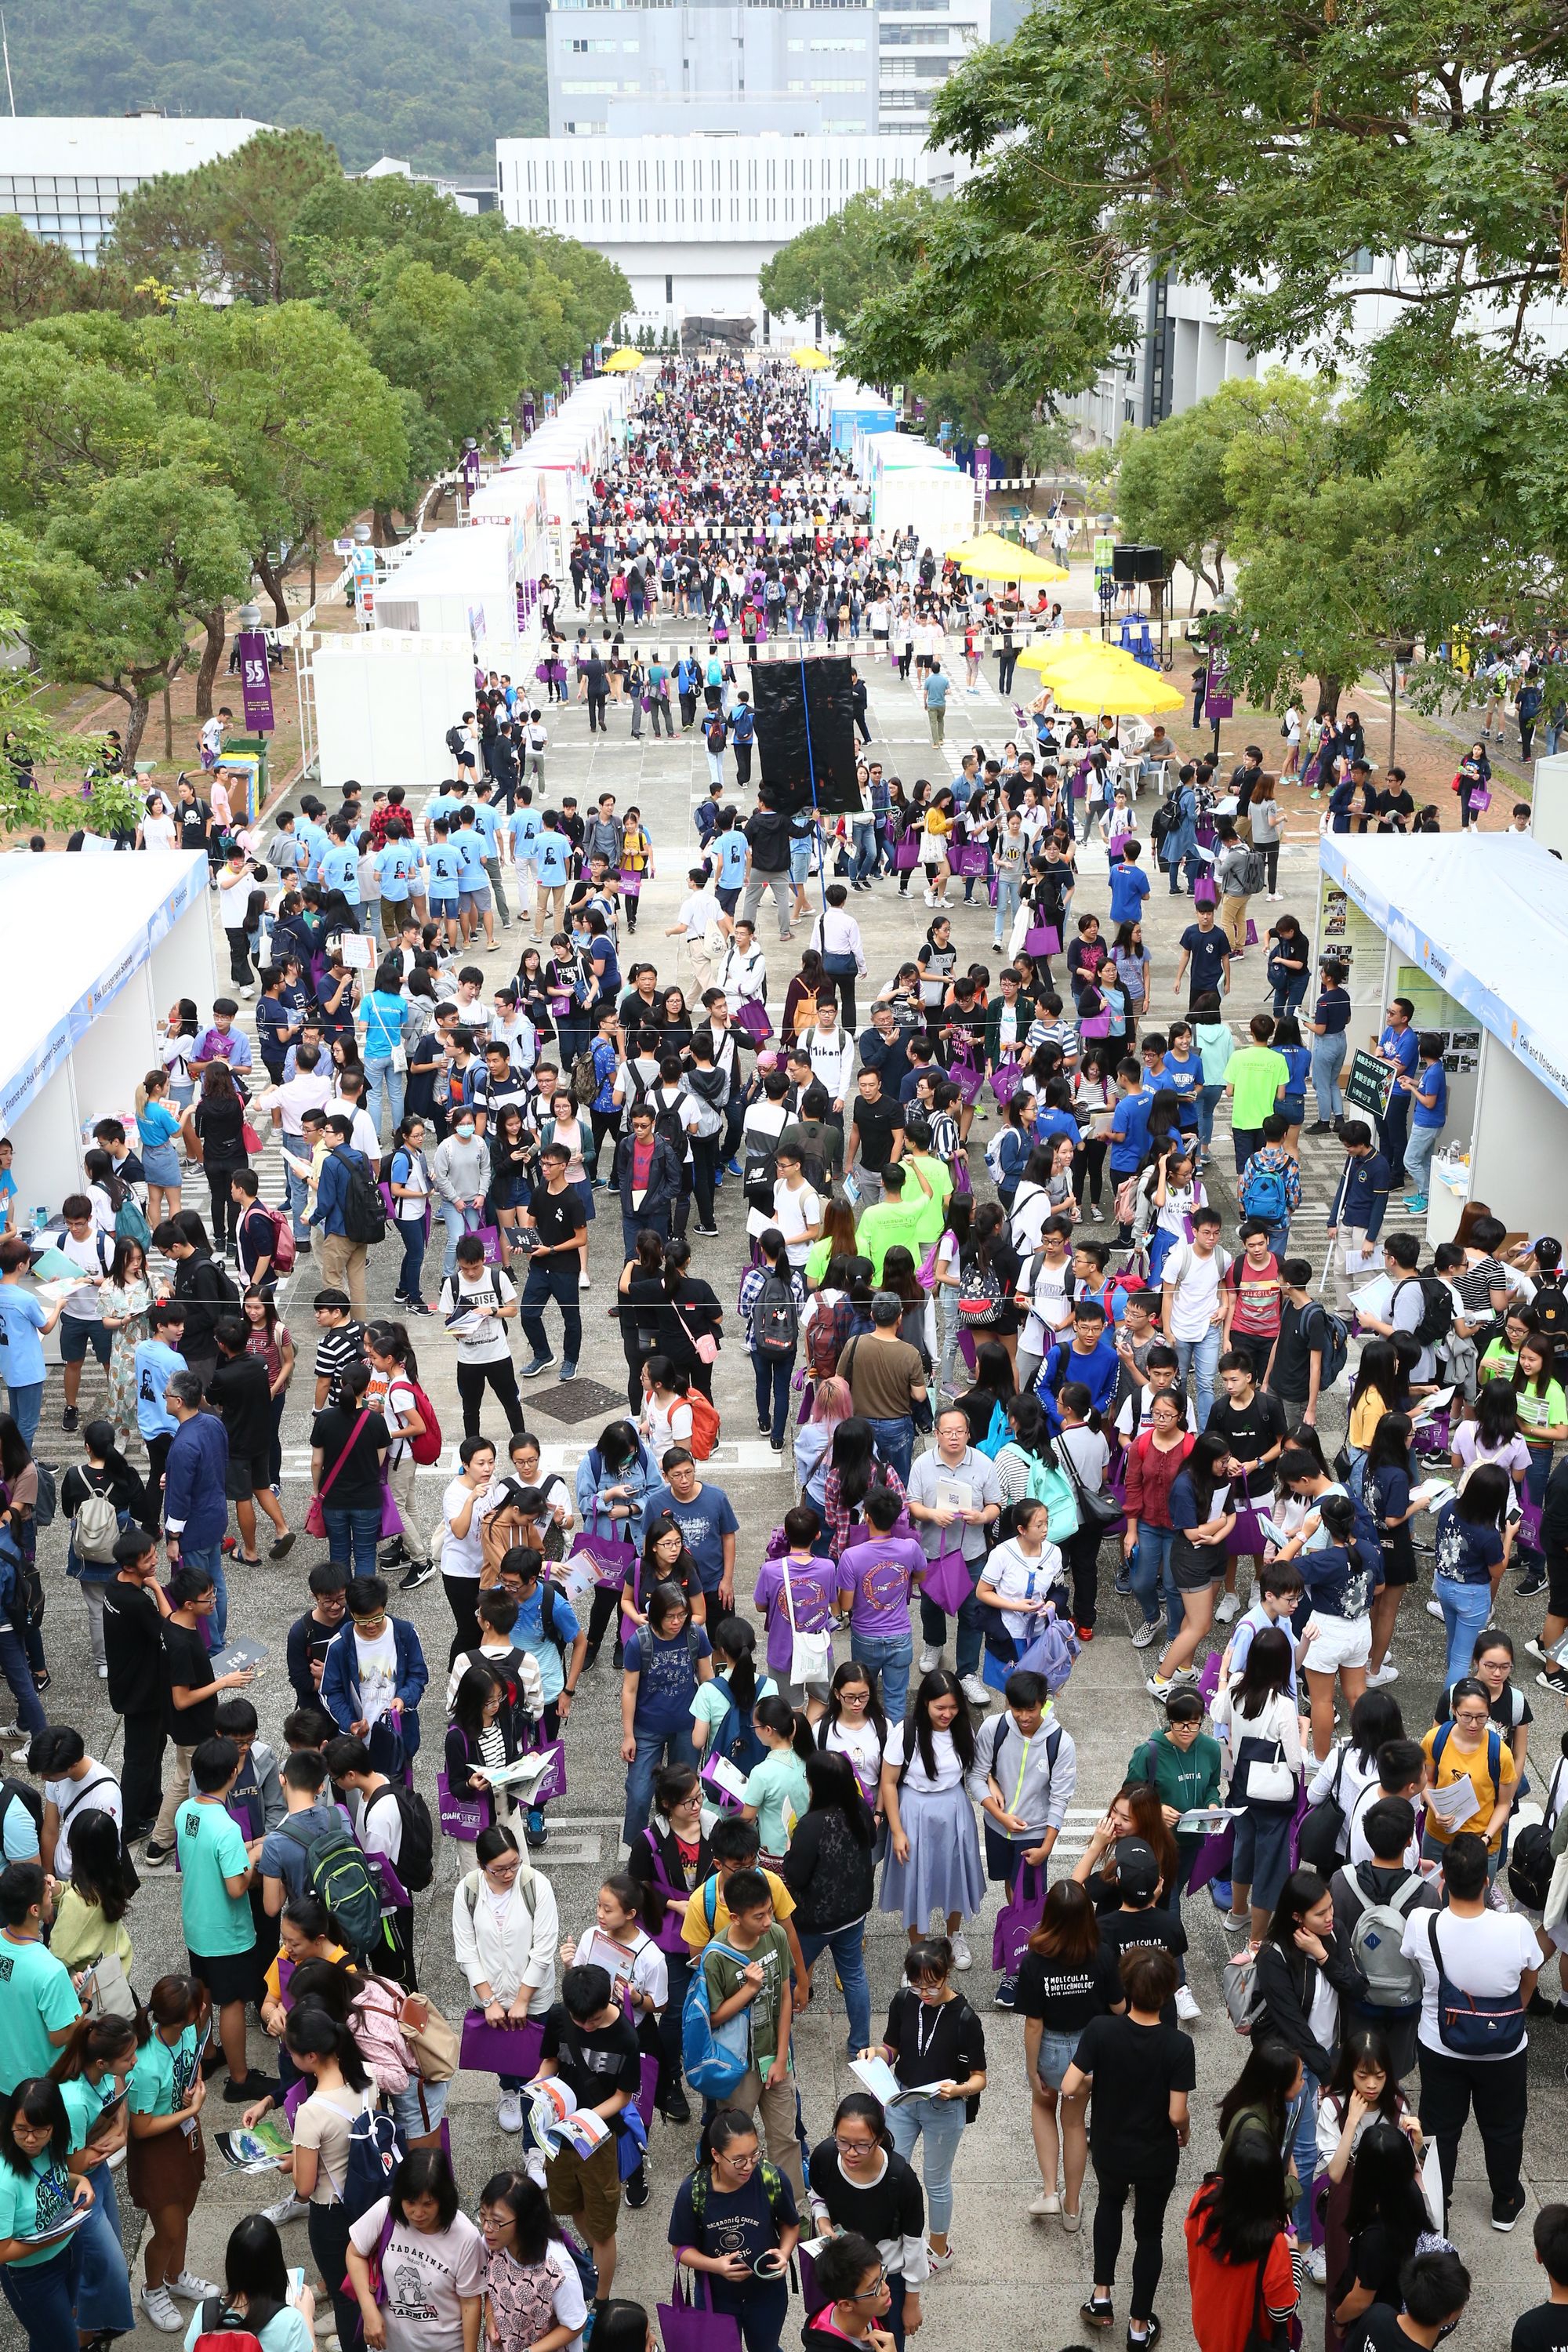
x=1022 y=1417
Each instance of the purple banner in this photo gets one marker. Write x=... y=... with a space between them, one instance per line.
x=530 y=414
x=982 y=468
x=256 y=682
x=470 y=470
x=587 y=365
x=1218 y=700
x=566 y=377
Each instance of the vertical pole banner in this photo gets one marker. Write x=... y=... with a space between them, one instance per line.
x=254 y=682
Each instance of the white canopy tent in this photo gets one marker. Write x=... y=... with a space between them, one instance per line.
x=454 y=583
x=94 y=950
x=383 y=703
x=1474 y=930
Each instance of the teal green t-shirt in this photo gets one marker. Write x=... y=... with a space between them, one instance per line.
x=778 y=1789
x=33 y=2200
x=36 y=1998
x=85 y=2102
x=163 y=2075
x=218 y=1924
x=711 y=1701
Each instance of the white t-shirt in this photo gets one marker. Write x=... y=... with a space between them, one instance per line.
x=860 y=1742
x=667 y=1424
x=98 y=1792
x=1360 y=1848
x=1050 y=1305
x=1017 y=1578
x=794 y=1212
x=1196 y=1281
x=949 y=1769
x=481 y=1339
x=377 y=1662
x=428 y=2273
x=462 y=1555
x=1485 y=1956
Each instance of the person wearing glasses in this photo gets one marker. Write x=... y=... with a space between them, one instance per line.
x=862 y=2190
x=737 y=2201
x=852 y=2298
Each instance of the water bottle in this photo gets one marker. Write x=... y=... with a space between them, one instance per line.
x=40 y=1218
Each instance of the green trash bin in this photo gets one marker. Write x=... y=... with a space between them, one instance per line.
x=255 y=745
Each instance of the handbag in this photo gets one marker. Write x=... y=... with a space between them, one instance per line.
x=110 y=1994
x=631 y=884
x=1005 y=1080
x=1101 y=1512
x=1017 y=1919
x=248 y=1137
x=391 y=1517
x=946 y=1582
x=691 y=2327
x=705 y=1345
x=1043 y=939
x=810 y=1655
x=1270 y=1781
x=752 y=1017
x=461 y=1816
x=433 y=2046
x=906 y=855
x=613 y=1557
x=315 y=1516
x=488 y=2049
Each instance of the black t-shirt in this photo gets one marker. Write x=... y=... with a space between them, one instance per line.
x=1375 y=2262
x=559 y=1217
x=1380 y=2330
x=1544 y=2329
x=1135 y=2070
x=190 y=1666
x=1301 y=1335
x=1128 y=1931
x=893 y=2207
x=138 y=1662
x=934 y=2042
x=357 y=1486
x=1065 y=1996
x=1250 y=1430
x=876 y=1123
x=243 y=1395
x=594 y=2063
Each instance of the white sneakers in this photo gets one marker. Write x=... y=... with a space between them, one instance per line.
x=288 y=2209
x=1044 y=2200
x=161 y=2312
x=1228 y=1608
x=1435 y=1609
x=1186 y=2007
x=930 y=1660
x=963 y=1957
x=194 y=2289
x=974 y=1690
x=1387 y=1673
x=509 y=2114
x=1146 y=1633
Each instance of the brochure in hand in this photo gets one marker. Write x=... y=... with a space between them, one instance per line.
x=260 y=2149
x=559 y=2122
x=882 y=2082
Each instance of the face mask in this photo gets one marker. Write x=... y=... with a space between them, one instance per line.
x=466 y=1133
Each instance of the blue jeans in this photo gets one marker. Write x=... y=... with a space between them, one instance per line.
x=352 y=1537
x=654 y=1748
x=18 y=1673
x=1151 y=1567
x=104 y=2292
x=44 y=2294
x=380 y=1075
x=559 y=1282
x=1327 y=1061
x=772 y=1374
x=1207 y=1098
x=412 y=1233
x=1288 y=998
x=1008 y=900
x=1466 y=1608
x=458 y=1223
x=940 y=2122
x=27 y=1403
x=890 y=1656
x=895 y=1442
x=210 y=1557
x=1303 y=2147
x=863 y=833
x=1202 y=1356
x=1418 y=1150
x=655 y=1220
x=298 y=1195
x=848 y=1945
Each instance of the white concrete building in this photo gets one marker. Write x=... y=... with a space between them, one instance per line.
x=693 y=219
x=64 y=174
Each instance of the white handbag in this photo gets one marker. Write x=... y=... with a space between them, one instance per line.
x=810 y=1655
x=1270 y=1780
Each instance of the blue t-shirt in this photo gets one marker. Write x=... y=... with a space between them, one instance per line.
x=397 y=869
x=936 y=691
x=552 y=855
x=526 y=828
x=156 y=1124
x=1298 y=1062
x=1467 y=1554
x=667 y=1676
x=385 y=1018
x=1132 y=1118
x=529 y=1634
x=1333 y=1012
x=470 y=850
x=487 y=824
x=732 y=860
x=704 y=1522
x=317 y=841
x=1128 y=889
x=1401 y=1043
x=156 y=1363
x=340 y=870
x=22 y=1316
x=1433 y=1078
x=1208 y=951
x=445 y=804
x=443 y=864
x=1337 y=1583
x=1183 y=1075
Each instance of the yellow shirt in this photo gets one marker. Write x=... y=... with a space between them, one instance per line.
x=270 y=1979
x=694 y=1929
x=1455 y=1765
x=81 y=1933
x=1365 y=1414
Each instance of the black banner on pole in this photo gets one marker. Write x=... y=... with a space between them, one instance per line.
x=789 y=696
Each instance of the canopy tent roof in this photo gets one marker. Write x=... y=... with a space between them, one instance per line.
x=1486 y=914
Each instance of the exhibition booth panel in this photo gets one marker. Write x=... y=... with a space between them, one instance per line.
x=385 y=701
x=914 y=485
x=453 y=583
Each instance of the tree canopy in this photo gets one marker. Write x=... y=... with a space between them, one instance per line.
x=436 y=82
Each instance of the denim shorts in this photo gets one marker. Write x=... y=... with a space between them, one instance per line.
x=1056 y=2053
x=413 y=2121
x=161 y=1164
x=444 y=909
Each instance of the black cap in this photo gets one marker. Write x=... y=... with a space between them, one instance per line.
x=1137 y=1870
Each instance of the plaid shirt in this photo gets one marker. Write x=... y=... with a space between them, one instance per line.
x=1282 y=1163
x=838 y=1521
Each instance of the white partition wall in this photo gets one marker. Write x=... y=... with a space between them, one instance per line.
x=384 y=701
x=1520 y=1146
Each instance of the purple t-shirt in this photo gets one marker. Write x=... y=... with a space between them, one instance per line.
x=812 y=1584
x=878 y=1573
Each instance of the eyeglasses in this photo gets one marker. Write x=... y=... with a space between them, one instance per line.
x=869 y=2294
x=371 y=1624
x=740 y=2163
x=855 y=2147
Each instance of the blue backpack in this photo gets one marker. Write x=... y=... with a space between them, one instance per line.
x=374 y=2156
x=713 y=2057
x=1263 y=1195
x=736 y=1739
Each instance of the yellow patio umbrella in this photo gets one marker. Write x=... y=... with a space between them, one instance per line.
x=992 y=556
x=1106 y=680
x=1058 y=653
x=623 y=363
x=806 y=355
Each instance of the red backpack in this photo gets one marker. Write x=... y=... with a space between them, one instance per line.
x=216 y=2337
x=704 y=1424
x=826 y=1336
x=427 y=1447
x=285 y=1249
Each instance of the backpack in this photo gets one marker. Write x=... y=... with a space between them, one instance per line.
x=1393 y=1979
x=337 y=1871
x=666 y=1118
x=1263 y=1194
x=454 y=740
x=980 y=1297
x=95 y=1528
x=773 y=2189
x=285 y=1249
x=1242 y=1997
x=1474 y=2024
x=416 y=1854
x=1254 y=872
x=131 y=1225
x=705 y=1425
x=759 y=1174
x=1336 y=1346
x=364 y=1210
x=1530 y=1865
x=585 y=1077
x=1324 y=1826
x=775 y=1319
x=212 y=2336
x=713 y=2057
x=1551 y=1305
x=826 y=1337
x=427 y=1447
x=374 y=2155
x=1437 y=1311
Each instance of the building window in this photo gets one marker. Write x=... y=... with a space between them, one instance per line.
x=668 y=288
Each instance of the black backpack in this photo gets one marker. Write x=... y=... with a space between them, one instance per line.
x=1436 y=1310
x=454 y=741
x=1530 y=1865
x=665 y=1119
x=759 y=1173
x=364 y=1210
x=416 y=1854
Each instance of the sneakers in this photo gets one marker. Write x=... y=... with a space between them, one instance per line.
x=509 y=2112
x=963 y=1957
x=532 y=1369
x=1316 y=2266
x=1124 y=1579
x=1387 y=1673
x=1533 y=1583
x=1186 y=2007
x=1507 y=2211
x=70 y=1418
x=930 y=1660
x=1146 y=1633
x=1043 y=2201
x=638 y=2190
x=288 y=2209
x=1005 y=1995
x=939 y=2261
x=1416 y=1207
x=535 y=1832
x=1096 y=1215
x=1150 y=2337
x=1095 y=2314
x=191 y=2288
x=420 y=1573
x=583 y=1283
x=1435 y=1609
x=153 y=1857
x=1239 y=1923
x=974 y=1690
x=1160 y=1687
x=1229 y=1607
x=569 y=1371
x=161 y=2312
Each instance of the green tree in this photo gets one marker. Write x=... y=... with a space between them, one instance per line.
x=107 y=593
x=224 y=228
x=1171 y=489
x=837 y=266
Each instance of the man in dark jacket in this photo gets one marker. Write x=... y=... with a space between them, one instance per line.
x=242 y=1393
x=767 y=863
x=597 y=679
x=342 y=1260
x=134 y=1611
x=648 y=1178
x=195 y=1490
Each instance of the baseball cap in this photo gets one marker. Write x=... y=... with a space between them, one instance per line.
x=1137 y=1869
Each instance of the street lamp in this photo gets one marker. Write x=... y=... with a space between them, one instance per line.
x=983 y=471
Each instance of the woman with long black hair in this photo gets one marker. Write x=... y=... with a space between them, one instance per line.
x=933 y=1847
x=856 y=1469
x=1240 y=2272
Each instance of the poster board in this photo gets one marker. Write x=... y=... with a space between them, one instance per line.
x=1440 y=1015
x=1368 y=1084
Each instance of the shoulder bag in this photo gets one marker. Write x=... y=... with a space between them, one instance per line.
x=315 y=1517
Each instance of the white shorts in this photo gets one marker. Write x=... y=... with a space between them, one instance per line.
x=1337 y=1642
